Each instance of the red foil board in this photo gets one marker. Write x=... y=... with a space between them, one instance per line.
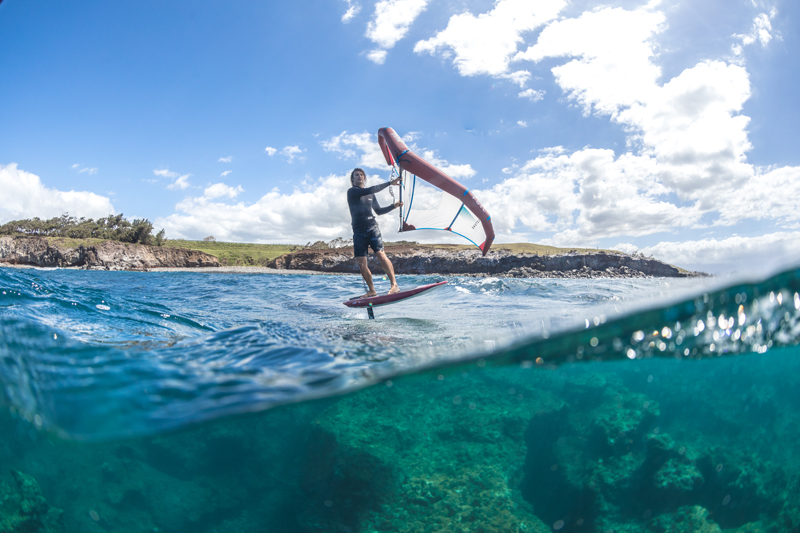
x=385 y=299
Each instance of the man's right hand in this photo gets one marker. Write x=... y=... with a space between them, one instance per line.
x=397 y=181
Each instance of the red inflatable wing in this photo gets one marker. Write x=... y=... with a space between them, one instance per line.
x=395 y=151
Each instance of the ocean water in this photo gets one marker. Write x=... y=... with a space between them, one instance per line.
x=216 y=403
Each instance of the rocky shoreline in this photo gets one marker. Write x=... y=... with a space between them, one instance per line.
x=106 y=255
x=498 y=263
x=408 y=260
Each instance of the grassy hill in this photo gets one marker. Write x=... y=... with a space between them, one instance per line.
x=248 y=254
x=236 y=253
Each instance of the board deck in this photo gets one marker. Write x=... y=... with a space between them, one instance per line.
x=386 y=299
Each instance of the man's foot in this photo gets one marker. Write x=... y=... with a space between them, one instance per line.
x=368 y=295
x=394 y=289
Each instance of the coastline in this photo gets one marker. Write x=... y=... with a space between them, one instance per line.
x=300 y=272
x=38 y=252
x=497 y=263
x=196 y=270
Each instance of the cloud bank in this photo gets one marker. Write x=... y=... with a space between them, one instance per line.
x=728 y=254
x=25 y=196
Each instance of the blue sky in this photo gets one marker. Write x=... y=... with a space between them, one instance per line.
x=667 y=127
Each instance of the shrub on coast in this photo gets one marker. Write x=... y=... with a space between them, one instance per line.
x=112 y=227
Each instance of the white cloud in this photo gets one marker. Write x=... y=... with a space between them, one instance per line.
x=522 y=123
x=292 y=152
x=764 y=195
x=361 y=146
x=519 y=77
x=304 y=215
x=532 y=95
x=486 y=44
x=553 y=150
x=84 y=170
x=626 y=247
x=464 y=171
x=691 y=124
x=270 y=150
x=225 y=159
x=224 y=174
x=353 y=9
x=219 y=190
x=585 y=196
x=165 y=173
x=730 y=254
x=25 y=196
x=761 y=32
x=182 y=183
x=613 y=48
x=392 y=19
x=377 y=56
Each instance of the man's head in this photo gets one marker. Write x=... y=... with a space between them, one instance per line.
x=358 y=178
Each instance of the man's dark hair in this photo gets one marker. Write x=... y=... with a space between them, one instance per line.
x=353 y=175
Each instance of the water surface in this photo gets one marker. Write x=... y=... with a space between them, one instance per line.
x=253 y=402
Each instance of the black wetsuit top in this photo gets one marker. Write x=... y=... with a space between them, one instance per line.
x=362 y=202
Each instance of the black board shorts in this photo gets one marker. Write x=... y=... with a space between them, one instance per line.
x=365 y=239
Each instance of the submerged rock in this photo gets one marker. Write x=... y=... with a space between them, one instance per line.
x=687 y=519
x=23 y=509
x=477 y=450
x=443 y=456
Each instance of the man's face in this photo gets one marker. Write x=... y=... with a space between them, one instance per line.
x=359 y=179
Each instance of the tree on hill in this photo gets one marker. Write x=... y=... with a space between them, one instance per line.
x=112 y=227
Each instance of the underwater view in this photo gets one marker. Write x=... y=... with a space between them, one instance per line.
x=218 y=403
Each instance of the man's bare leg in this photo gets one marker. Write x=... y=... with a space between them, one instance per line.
x=364 y=268
x=389 y=270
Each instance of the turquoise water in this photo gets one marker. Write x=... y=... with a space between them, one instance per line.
x=182 y=402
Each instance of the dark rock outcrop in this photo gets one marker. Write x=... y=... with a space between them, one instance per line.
x=107 y=255
x=23 y=509
x=500 y=263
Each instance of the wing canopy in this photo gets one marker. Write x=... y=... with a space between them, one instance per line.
x=457 y=211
